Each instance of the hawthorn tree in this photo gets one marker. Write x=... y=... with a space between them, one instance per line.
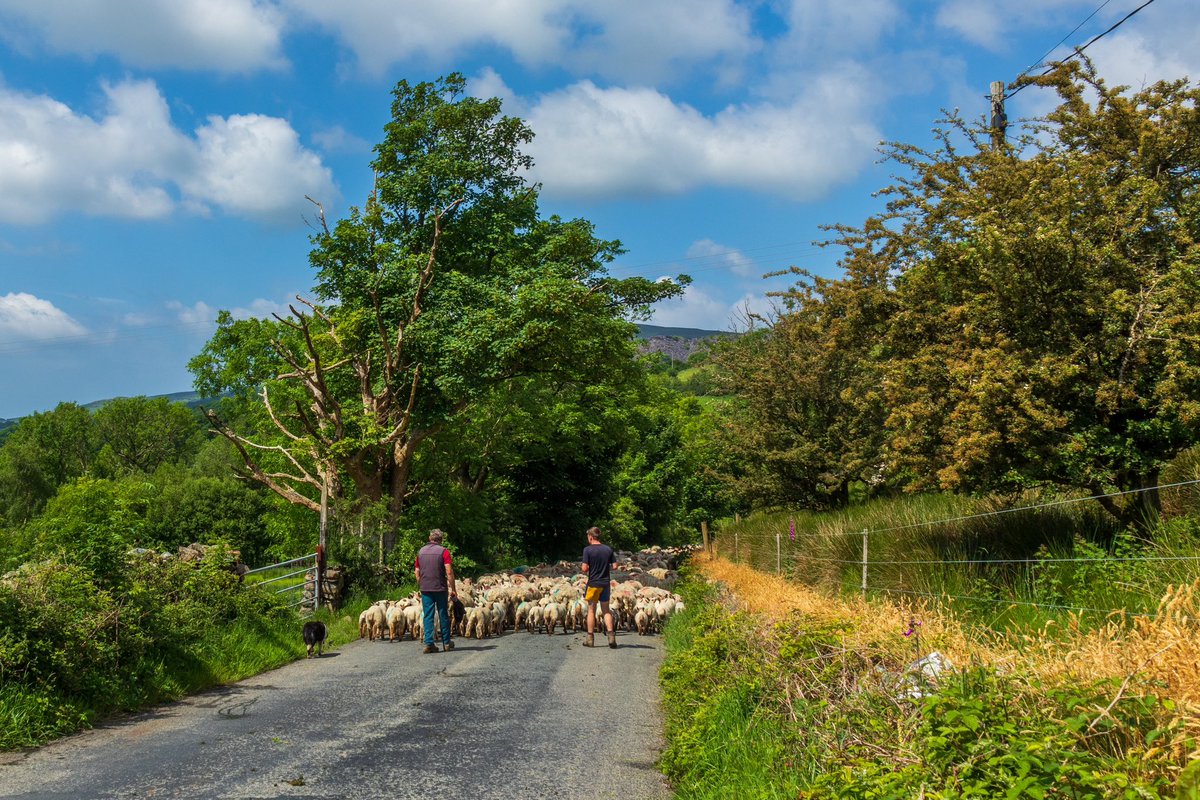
x=444 y=288
x=1019 y=316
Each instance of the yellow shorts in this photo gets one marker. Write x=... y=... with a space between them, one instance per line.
x=594 y=593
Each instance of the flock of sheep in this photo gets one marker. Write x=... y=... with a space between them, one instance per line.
x=542 y=599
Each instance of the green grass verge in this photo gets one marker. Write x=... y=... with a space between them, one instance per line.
x=221 y=654
x=785 y=711
x=1014 y=575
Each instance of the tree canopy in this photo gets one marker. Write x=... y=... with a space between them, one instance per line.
x=1018 y=316
x=444 y=288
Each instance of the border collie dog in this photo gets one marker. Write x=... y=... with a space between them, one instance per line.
x=314 y=636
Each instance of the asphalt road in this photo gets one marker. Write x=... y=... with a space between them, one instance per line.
x=515 y=717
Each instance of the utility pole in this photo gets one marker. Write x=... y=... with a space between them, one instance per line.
x=999 y=120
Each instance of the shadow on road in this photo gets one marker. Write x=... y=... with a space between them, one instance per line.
x=472 y=648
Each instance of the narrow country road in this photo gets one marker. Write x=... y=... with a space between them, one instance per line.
x=515 y=717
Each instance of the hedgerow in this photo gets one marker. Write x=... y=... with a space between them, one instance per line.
x=76 y=646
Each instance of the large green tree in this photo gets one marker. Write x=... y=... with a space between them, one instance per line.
x=1050 y=297
x=446 y=286
x=44 y=451
x=137 y=434
x=1019 y=316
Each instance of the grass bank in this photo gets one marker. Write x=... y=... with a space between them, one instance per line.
x=75 y=651
x=774 y=690
x=1016 y=569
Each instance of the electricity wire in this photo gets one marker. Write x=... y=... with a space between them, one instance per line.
x=1042 y=59
x=1079 y=50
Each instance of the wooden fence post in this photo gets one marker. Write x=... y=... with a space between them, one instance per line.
x=704 y=533
x=864 y=565
x=778 y=554
x=322 y=540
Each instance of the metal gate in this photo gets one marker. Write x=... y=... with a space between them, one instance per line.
x=288 y=577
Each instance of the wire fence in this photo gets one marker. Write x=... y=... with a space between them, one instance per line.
x=910 y=560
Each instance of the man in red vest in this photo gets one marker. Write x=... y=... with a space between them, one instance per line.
x=435 y=578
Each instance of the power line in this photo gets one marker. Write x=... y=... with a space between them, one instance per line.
x=1079 y=50
x=1041 y=60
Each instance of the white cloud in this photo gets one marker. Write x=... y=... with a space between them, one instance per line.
x=252 y=164
x=1140 y=58
x=595 y=142
x=339 y=140
x=645 y=41
x=693 y=309
x=265 y=309
x=382 y=32
x=617 y=39
x=132 y=162
x=138 y=319
x=228 y=36
x=818 y=28
x=27 y=317
x=199 y=313
x=707 y=254
x=976 y=21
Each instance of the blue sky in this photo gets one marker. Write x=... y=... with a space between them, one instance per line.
x=155 y=154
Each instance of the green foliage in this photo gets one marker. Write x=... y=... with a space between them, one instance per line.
x=1018 y=317
x=138 y=434
x=203 y=509
x=42 y=453
x=976 y=737
x=446 y=293
x=787 y=711
x=76 y=645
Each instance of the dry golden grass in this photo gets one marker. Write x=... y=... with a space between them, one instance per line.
x=1162 y=652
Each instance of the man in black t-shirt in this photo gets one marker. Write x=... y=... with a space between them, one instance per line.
x=597 y=562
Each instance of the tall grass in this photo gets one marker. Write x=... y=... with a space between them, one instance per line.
x=772 y=689
x=1119 y=571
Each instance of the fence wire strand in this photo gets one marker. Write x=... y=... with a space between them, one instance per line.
x=747 y=549
x=1013 y=510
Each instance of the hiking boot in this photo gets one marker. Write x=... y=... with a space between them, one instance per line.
x=449 y=646
x=590 y=641
x=612 y=639
x=429 y=649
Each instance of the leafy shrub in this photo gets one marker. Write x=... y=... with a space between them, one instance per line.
x=75 y=645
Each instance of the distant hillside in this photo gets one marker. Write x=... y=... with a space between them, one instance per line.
x=677 y=344
x=190 y=399
x=651 y=331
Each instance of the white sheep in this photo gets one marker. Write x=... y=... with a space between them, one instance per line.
x=536 y=616
x=397 y=622
x=555 y=614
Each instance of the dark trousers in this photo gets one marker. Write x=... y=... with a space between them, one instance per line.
x=438 y=601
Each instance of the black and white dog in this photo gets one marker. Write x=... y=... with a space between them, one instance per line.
x=314 y=636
